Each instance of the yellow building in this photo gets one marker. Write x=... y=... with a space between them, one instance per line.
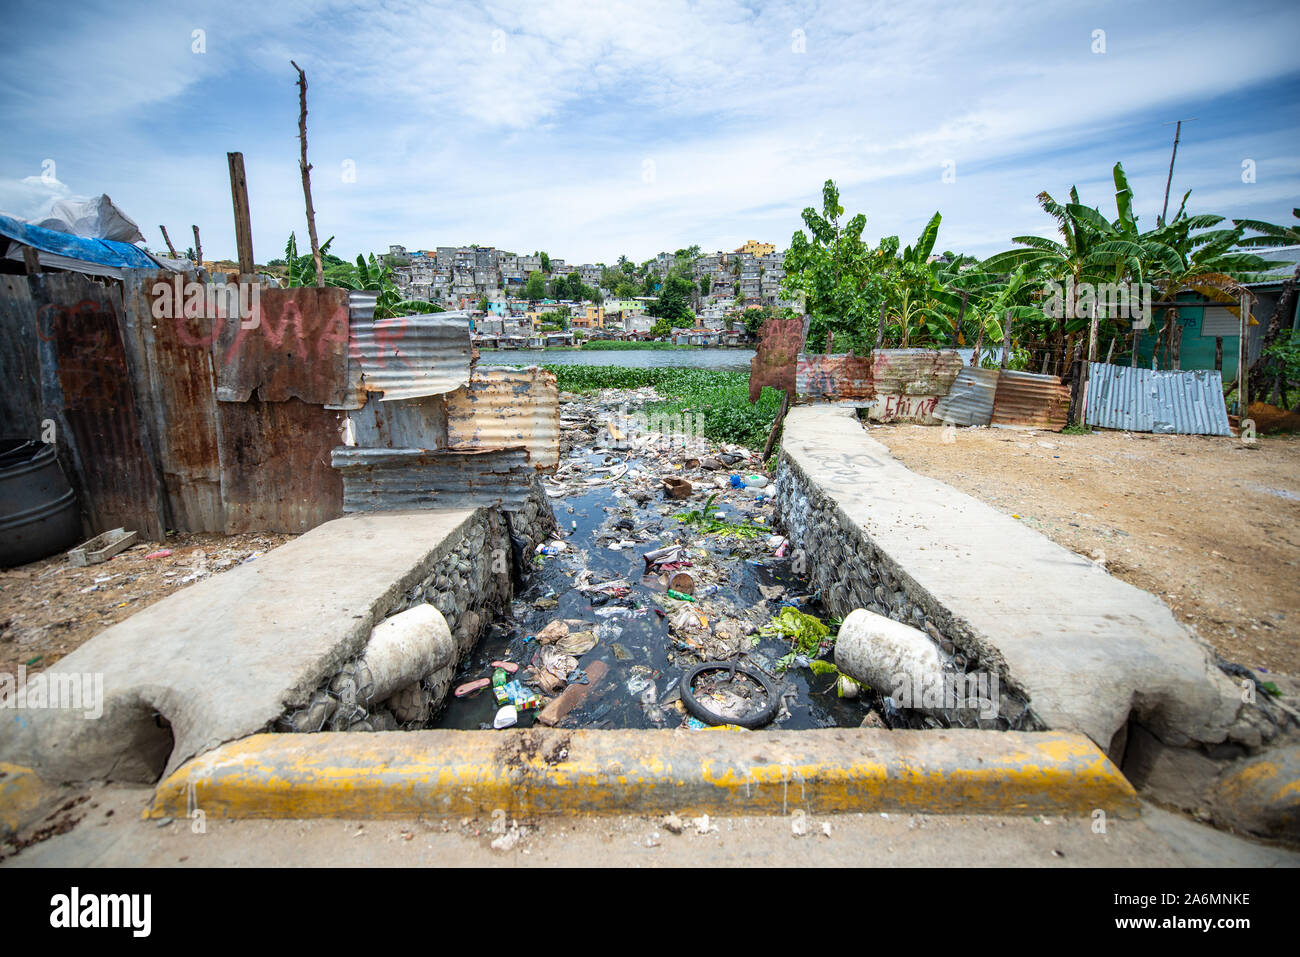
x=755 y=248
x=588 y=316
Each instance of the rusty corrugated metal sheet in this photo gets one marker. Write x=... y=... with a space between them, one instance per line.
x=834 y=378
x=892 y=384
x=504 y=407
x=228 y=466
x=361 y=309
x=376 y=479
x=175 y=385
x=1185 y=402
x=779 y=343
x=970 y=400
x=276 y=474
x=20 y=368
x=412 y=356
x=918 y=372
x=1030 y=399
x=86 y=381
x=298 y=349
x=410 y=424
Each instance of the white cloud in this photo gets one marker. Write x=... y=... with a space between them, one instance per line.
x=527 y=124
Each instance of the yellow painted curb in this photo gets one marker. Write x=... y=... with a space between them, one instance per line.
x=547 y=770
x=21 y=794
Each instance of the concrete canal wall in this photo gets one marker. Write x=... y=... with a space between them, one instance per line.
x=1087 y=651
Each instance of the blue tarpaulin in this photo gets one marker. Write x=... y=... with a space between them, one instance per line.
x=99 y=252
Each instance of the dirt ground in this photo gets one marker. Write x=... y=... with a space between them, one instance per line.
x=1210 y=525
x=49 y=608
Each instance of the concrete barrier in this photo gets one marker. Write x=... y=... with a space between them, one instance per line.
x=552 y=771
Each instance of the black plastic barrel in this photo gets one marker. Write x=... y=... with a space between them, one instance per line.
x=38 y=511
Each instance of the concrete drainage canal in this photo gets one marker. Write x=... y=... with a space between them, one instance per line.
x=665 y=594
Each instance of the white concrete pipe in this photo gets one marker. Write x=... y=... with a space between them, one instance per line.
x=878 y=651
x=403 y=649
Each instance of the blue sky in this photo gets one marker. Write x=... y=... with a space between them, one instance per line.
x=594 y=130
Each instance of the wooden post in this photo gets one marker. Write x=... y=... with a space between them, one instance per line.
x=979 y=344
x=1086 y=370
x=776 y=426
x=31 y=260
x=880 y=329
x=170 y=248
x=1006 y=339
x=1110 y=353
x=198 y=247
x=306 y=173
x=243 y=224
x=1072 y=418
x=1243 y=350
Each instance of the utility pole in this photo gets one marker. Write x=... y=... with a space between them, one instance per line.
x=1177 y=133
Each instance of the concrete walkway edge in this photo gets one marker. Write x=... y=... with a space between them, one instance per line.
x=553 y=771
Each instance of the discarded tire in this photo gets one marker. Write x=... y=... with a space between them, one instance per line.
x=756 y=720
x=38 y=510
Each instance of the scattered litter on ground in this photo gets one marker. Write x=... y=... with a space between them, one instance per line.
x=50 y=608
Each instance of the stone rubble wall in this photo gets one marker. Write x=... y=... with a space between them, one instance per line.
x=471 y=585
x=850 y=572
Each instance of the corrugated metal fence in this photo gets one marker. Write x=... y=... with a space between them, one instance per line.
x=1167 y=401
x=182 y=405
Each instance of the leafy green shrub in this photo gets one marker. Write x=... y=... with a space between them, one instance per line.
x=720 y=397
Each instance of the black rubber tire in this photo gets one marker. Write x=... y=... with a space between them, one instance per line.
x=756 y=720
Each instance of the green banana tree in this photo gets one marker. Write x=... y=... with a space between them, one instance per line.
x=369 y=276
x=374 y=276
x=1079 y=256
x=1188 y=254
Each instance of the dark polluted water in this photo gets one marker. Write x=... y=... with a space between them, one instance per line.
x=647 y=640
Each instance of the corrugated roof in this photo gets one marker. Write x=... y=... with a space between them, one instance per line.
x=378 y=479
x=504 y=407
x=1169 y=401
x=1030 y=399
x=1287 y=255
x=970 y=400
x=411 y=356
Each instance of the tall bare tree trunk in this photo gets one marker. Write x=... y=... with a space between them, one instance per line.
x=306 y=173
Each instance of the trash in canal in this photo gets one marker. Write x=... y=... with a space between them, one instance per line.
x=640 y=589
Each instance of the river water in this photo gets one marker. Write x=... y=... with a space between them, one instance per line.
x=732 y=360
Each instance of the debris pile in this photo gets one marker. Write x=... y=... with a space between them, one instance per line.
x=653 y=604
